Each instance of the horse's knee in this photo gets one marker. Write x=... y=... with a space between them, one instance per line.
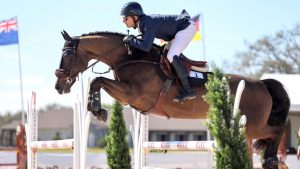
x=96 y=83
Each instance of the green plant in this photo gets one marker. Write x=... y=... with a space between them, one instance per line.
x=230 y=137
x=117 y=149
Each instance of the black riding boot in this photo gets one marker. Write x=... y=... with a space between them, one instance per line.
x=186 y=93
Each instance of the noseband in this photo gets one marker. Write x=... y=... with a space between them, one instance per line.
x=71 y=49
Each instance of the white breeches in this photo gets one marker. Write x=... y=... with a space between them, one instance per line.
x=181 y=41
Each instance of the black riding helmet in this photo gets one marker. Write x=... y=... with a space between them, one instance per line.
x=132 y=9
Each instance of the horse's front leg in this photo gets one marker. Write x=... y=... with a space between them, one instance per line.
x=114 y=88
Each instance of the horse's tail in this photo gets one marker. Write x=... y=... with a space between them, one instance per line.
x=281 y=102
x=279 y=112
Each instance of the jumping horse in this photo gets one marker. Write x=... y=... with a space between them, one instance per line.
x=139 y=82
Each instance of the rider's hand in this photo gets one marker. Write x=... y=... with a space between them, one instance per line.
x=127 y=38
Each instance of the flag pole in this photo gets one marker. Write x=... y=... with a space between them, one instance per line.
x=203 y=39
x=20 y=75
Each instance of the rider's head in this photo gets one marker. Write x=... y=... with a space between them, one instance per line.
x=131 y=13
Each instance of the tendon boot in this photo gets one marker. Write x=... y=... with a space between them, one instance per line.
x=186 y=93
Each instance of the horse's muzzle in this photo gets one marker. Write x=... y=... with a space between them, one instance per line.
x=61 y=90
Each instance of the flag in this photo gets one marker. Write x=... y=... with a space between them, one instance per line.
x=9 y=32
x=197 y=35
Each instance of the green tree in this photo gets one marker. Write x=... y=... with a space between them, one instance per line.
x=9 y=117
x=117 y=149
x=231 y=151
x=278 y=53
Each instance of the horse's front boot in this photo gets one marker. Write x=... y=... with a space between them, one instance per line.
x=94 y=105
x=94 y=102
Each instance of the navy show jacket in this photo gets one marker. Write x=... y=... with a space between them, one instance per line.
x=162 y=27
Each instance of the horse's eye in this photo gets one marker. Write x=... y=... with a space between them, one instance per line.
x=69 y=52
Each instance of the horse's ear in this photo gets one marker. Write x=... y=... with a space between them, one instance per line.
x=62 y=33
x=66 y=36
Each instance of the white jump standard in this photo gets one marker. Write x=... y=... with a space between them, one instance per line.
x=81 y=123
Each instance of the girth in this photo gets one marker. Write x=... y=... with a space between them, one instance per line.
x=157 y=109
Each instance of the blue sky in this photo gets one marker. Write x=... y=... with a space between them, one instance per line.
x=227 y=25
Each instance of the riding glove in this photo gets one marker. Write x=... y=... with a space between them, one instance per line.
x=128 y=38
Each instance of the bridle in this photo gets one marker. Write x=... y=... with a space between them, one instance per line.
x=74 y=43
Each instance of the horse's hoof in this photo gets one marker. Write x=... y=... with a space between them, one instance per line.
x=271 y=163
x=282 y=165
x=103 y=115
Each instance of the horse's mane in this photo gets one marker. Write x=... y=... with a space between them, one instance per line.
x=100 y=33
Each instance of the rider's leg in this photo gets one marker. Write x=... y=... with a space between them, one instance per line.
x=179 y=43
x=186 y=93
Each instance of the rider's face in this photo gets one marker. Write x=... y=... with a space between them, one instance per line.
x=128 y=21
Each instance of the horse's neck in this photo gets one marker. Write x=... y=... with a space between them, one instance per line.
x=105 y=50
x=112 y=51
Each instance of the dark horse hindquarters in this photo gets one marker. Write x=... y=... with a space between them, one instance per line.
x=278 y=116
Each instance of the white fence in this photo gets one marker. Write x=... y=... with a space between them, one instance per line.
x=81 y=122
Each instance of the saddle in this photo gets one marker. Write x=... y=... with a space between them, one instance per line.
x=193 y=68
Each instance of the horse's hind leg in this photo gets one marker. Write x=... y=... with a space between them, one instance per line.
x=271 y=147
x=278 y=115
x=269 y=142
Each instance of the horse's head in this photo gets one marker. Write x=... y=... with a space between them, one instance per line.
x=70 y=65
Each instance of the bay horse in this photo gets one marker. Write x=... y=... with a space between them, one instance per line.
x=138 y=82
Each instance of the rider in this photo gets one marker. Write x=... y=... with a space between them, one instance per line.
x=179 y=29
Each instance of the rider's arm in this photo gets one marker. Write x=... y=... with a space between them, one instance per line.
x=148 y=28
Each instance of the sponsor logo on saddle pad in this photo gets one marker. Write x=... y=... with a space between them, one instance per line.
x=195 y=74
